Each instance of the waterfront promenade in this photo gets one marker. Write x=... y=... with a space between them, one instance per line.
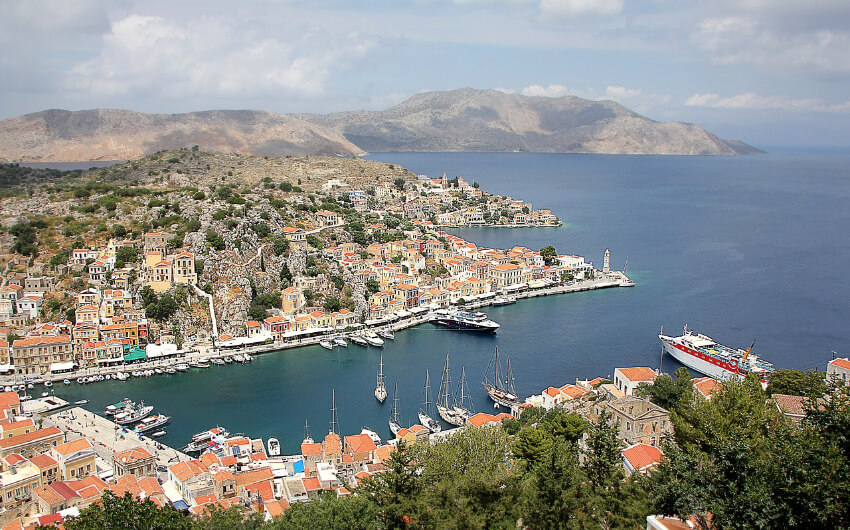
x=209 y=353
x=106 y=437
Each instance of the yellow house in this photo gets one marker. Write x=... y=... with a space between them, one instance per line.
x=87 y=314
x=159 y=276
x=32 y=443
x=301 y=322
x=406 y=435
x=15 y=428
x=319 y=319
x=184 y=268
x=75 y=459
x=18 y=478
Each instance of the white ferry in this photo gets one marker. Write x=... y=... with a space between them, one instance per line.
x=464 y=320
x=706 y=356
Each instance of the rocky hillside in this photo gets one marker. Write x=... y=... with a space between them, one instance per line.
x=107 y=134
x=490 y=120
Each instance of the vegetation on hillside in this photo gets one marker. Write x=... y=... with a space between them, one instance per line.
x=734 y=462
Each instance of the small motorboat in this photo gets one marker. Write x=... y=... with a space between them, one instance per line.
x=228 y=359
x=30 y=386
x=14 y=388
x=217 y=362
x=48 y=384
x=373 y=339
x=326 y=344
x=44 y=394
x=387 y=334
x=247 y=358
x=157 y=371
x=339 y=341
x=170 y=370
x=157 y=434
x=182 y=367
x=81 y=402
x=359 y=340
x=273 y=446
x=66 y=381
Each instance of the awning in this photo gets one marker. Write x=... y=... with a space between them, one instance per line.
x=403 y=314
x=62 y=367
x=7 y=367
x=160 y=350
x=136 y=354
x=110 y=360
x=420 y=309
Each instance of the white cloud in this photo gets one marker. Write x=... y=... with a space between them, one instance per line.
x=749 y=40
x=753 y=101
x=580 y=7
x=213 y=56
x=551 y=91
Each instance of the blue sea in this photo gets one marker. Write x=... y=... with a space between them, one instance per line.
x=747 y=248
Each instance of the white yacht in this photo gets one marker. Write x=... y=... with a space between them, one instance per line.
x=395 y=426
x=373 y=339
x=371 y=434
x=339 y=341
x=425 y=412
x=387 y=334
x=150 y=423
x=326 y=344
x=273 y=446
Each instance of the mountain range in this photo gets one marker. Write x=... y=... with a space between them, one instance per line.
x=457 y=120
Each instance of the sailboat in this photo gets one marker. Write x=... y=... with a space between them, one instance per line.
x=395 y=426
x=445 y=404
x=462 y=407
x=501 y=391
x=307 y=438
x=381 y=388
x=425 y=412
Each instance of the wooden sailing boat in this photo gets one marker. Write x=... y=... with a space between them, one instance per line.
x=381 y=389
x=463 y=408
x=425 y=413
x=501 y=391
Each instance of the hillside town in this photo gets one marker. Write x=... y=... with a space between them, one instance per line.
x=265 y=265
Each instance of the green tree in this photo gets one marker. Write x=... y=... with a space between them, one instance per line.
x=127 y=513
x=395 y=493
x=355 y=512
x=668 y=393
x=531 y=444
x=399 y=183
x=372 y=286
x=797 y=382
x=331 y=304
x=280 y=245
x=603 y=463
x=549 y=255
x=25 y=239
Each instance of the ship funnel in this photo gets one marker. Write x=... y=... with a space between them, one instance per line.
x=747 y=353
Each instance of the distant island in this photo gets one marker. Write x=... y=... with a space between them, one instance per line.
x=457 y=120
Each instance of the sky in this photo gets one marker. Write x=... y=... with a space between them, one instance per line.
x=768 y=72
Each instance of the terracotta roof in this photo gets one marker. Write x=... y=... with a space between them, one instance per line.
x=254 y=476
x=35 y=341
x=311 y=484
x=332 y=444
x=639 y=373
x=552 y=392
x=209 y=459
x=482 y=418
x=417 y=428
x=72 y=447
x=790 y=405
x=131 y=455
x=707 y=385
x=311 y=449
x=14 y=458
x=223 y=474
x=6 y=443
x=841 y=362
x=49 y=495
x=43 y=461
x=276 y=508
x=264 y=489
x=573 y=391
x=642 y=456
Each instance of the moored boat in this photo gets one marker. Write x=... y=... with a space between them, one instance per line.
x=387 y=334
x=501 y=391
x=157 y=434
x=464 y=321
x=395 y=426
x=373 y=339
x=703 y=354
x=273 y=446
x=150 y=423
x=134 y=414
x=358 y=340
x=371 y=434
x=381 y=388
x=339 y=341
x=115 y=408
x=326 y=344
x=503 y=300
x=425 y=412
x=445 y=403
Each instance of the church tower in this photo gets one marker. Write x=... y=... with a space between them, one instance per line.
x=606 y=262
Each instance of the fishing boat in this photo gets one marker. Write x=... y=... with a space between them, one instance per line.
x=395 y=426
x=45 y=394
x=387 y=334
x=373 y=339
x=157 y=434
x=445 y=403
x=706 y=356
x=134 y=414
x=181 y=367
x=464 y=321
x=217 y=362
x=150 y=423
x=381 y=388
x=48 y=384
x=205 y=439
x=425 y=412
x=339 y=341
x=326 y=344
x=359 y=340
x=115 y=408
x=371 y=434
x=273 y=446
x=500 y=390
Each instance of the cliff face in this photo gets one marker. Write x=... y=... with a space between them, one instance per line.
x=490 y=120
x=107 y=134
x=457 y=120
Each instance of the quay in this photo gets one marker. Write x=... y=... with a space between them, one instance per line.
x=208 y=353
x=107 y=437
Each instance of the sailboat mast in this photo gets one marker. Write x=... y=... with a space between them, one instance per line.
x=306 y=430
x=333 y=412
x=395 y=404
x=462 y=384
x=496 y=369
x=381 y=371
x=427 y=391
x=509 y=378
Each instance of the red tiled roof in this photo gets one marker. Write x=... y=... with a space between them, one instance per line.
x=639 y=373
x=642 y=456
x=841 y=362
x=6 y=443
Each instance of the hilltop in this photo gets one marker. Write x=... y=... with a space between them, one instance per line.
x=490 y=120
x=457 y=120
x=111 y=134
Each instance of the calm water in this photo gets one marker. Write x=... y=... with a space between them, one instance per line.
x=744 y=248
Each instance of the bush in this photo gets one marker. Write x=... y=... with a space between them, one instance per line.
x=199 y=196
x=215 y=240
